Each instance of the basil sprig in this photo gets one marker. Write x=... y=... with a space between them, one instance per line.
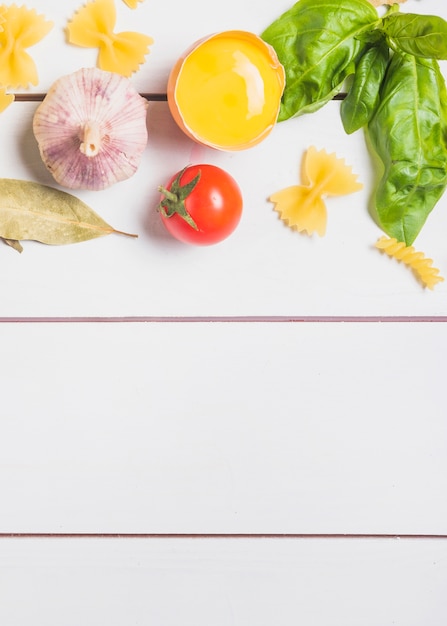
x=318 y=43
x=395 y=92
x=408 y=133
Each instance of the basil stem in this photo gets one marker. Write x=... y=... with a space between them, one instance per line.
x=408 y=131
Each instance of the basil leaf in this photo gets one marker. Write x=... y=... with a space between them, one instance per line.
x=421 y=35
x=408 y=131
x=363 y=96
x=318 y=44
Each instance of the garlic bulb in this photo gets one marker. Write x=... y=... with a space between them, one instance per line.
x=91 y=129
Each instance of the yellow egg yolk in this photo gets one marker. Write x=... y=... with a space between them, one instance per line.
x=228 y=91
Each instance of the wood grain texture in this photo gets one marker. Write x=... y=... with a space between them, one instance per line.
x=273 y=385
x=263 y=269
x=223 y=428
x=198 y=582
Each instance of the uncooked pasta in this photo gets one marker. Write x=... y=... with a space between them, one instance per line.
x=421 y=266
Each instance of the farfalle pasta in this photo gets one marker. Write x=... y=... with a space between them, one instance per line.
x=421 y=266
x=132 y=4
x=20 y=29
x=302 y=206
x=92 y=26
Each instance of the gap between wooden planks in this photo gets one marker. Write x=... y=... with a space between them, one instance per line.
x=215 y=536
x=278 y=319
x=38 y=97
x=156 y=97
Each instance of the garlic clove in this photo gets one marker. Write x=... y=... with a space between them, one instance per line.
x=91 y=129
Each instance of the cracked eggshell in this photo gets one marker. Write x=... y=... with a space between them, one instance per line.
x=225 y=90
x=91 y=129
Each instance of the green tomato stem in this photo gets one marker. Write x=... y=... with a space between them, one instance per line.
x=173 y=197
x=173 y=202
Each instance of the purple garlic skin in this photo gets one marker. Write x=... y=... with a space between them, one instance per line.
x=91 y=129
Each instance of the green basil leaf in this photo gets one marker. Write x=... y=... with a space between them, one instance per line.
x=363 y=96
x=318 y=43
x=29 y=210
x=421 y=35
x=408 y=132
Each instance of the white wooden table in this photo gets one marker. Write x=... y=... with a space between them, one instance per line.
x=248 y=433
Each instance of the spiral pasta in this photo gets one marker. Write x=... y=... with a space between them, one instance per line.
x=420 y=265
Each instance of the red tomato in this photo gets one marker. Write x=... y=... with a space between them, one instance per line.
x=201 y=204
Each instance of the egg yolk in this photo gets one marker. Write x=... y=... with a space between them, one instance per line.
x=228 y=91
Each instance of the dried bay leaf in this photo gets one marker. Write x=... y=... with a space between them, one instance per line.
x=12 y=243
x=30 y=210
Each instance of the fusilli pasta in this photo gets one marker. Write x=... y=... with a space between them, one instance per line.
x=422 y=266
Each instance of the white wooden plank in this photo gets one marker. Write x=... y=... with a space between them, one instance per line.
x=223 y=427
x=173 y=26
x=223 y=582
x=263 y=269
